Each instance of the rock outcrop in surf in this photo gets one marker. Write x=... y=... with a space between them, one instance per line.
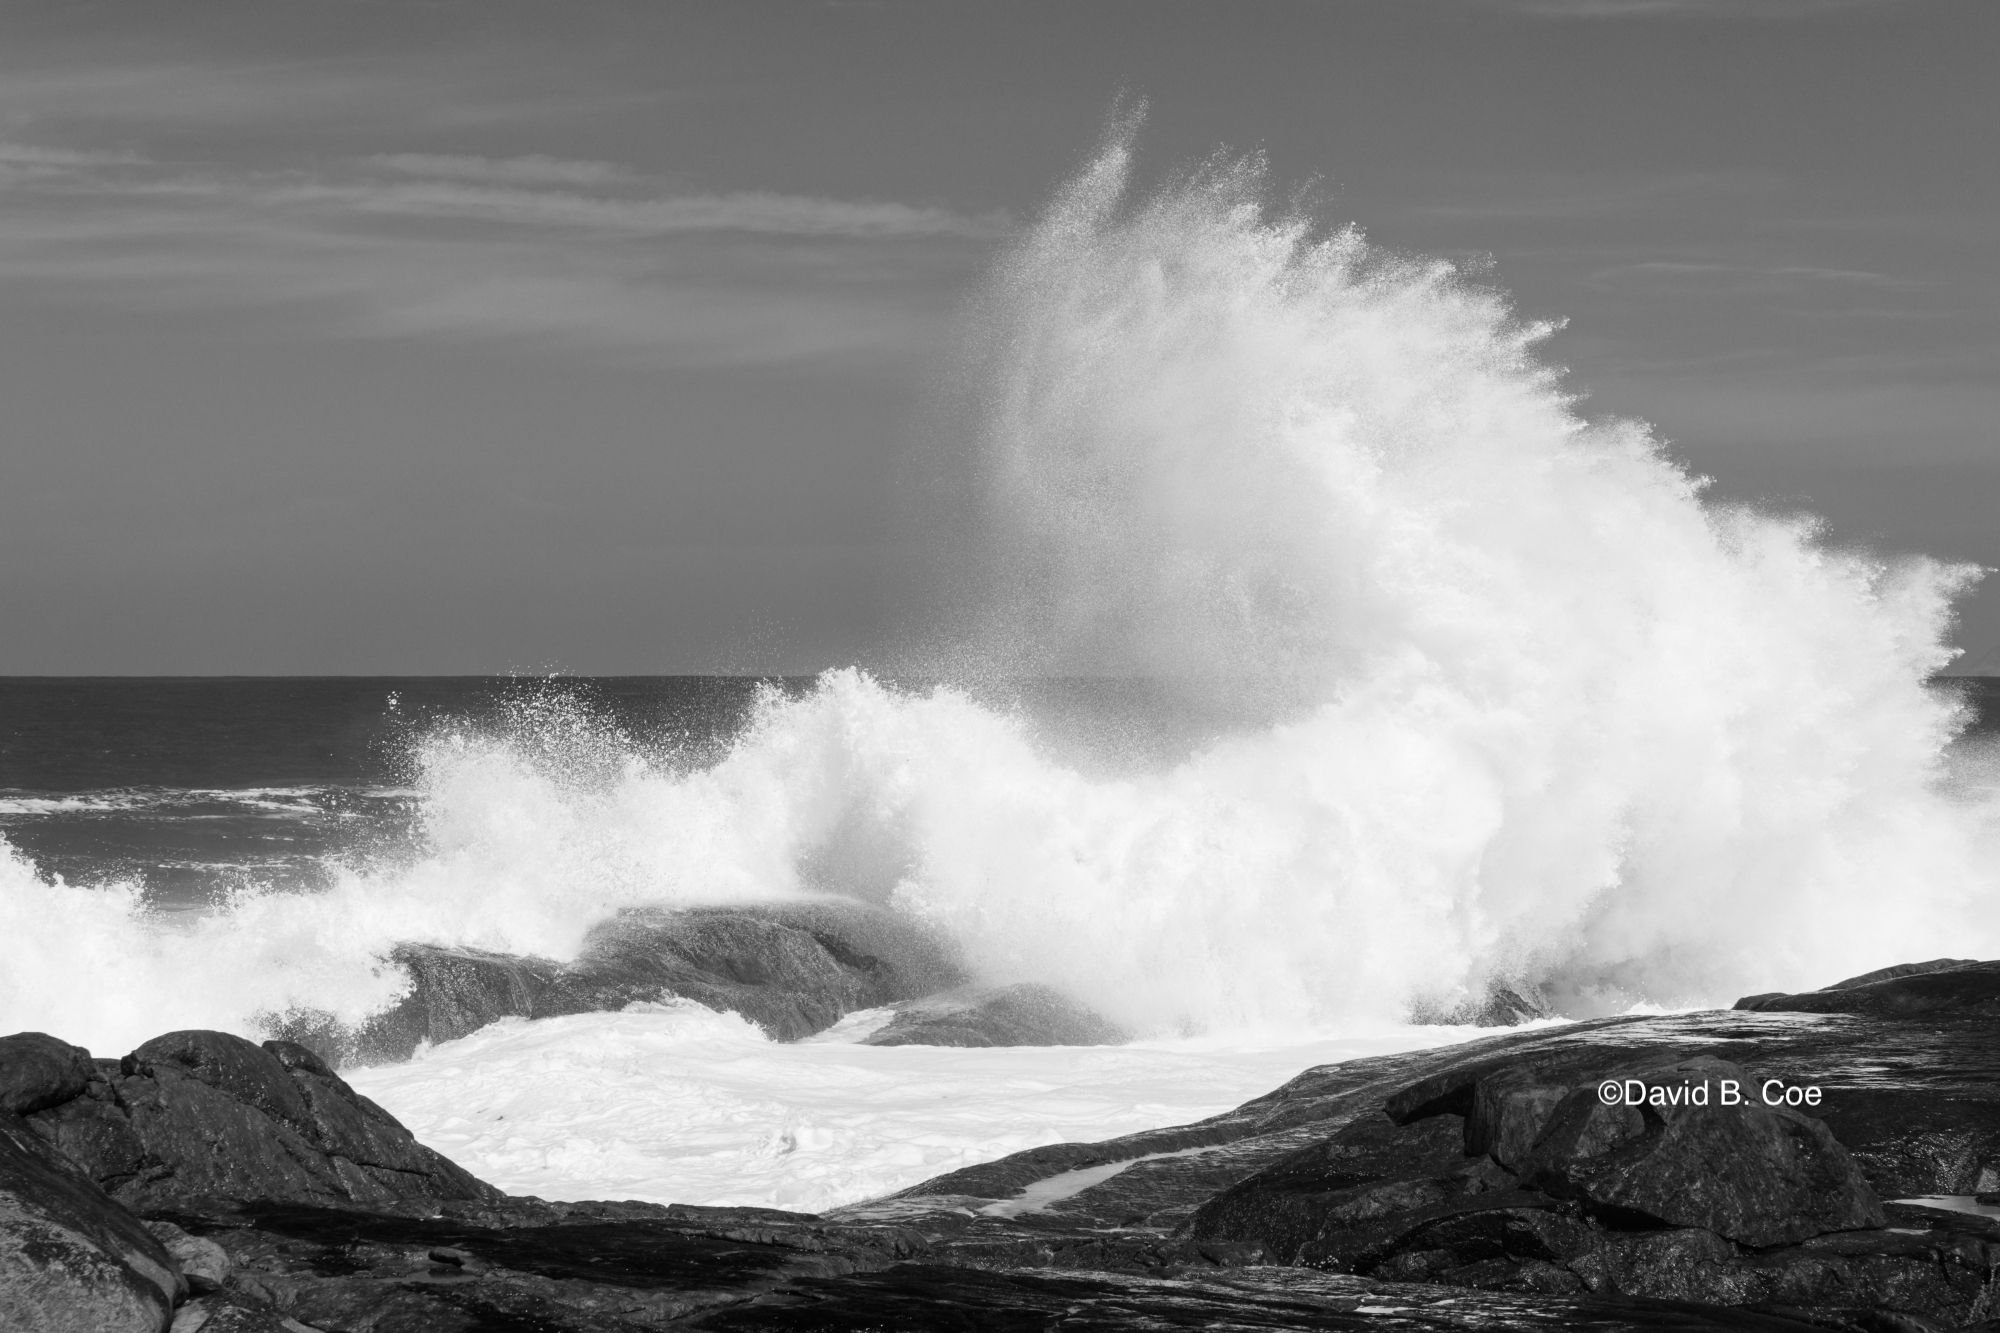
x=1021 y=1015
x=1595 y=1175
x=1944 y=985
x=793 y=969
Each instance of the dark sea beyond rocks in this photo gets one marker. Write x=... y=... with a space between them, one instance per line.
x=1823 y=1160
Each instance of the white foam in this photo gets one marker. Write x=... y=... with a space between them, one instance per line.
x=90 y=803
x=1504 y=699
x=96 y=966
x=675 y=1104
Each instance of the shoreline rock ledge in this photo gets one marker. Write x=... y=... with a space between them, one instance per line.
x=1827 y=1160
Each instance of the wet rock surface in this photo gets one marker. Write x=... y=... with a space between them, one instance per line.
x=793 y=969
x=37 y=1070
x=1761 y=1175
x=1023 y=1015
x=1946 y=986
x=1495 y=1167
x=1589 y=1175
x=191 y=1116
x=628 y=1267
x=70 y=1258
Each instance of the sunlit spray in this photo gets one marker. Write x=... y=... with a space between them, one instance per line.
x=1502 y=698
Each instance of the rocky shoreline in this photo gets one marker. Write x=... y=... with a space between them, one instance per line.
x=1659 y=1172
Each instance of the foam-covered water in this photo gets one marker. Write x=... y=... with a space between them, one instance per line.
x=1480 y=689
x=675 y=1104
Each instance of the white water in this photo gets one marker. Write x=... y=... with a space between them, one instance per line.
x=1491 y=693
x=680 y=1105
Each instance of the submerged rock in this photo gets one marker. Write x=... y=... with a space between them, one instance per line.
x=793 y=969
x=1501 y=1006
x=1022 y=1015
x=453 y=993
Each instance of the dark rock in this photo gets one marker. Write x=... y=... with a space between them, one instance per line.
x=227 y=1312
x=1483 y=1186
x=1450 y=1091
x=776 y=974
x=1946 y=986
x=1502 y=1006
x=203 y=1263
x=941 y=1299
x=1911 y=1140
x=1427 y=1218
x=1320 y=1172
x=205 y=1115
x=1509 y=1111
x=1901 y=970
x=1928 y=1271
x=71 y=1260
x=37 y=1070
x=453 y=992
x=1683 y=1265
x=1757 y=1174
x=1760 y=1174
x=1021 y=1015
x=528 y=1266
x=1510 y=1241
x=238 y=1069
x=1369 y=1169
x=792 y=968
x=567 y=1270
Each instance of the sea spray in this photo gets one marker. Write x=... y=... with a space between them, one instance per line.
x=1492 y=694
x=1532 y=710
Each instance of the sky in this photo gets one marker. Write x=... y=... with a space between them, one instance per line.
x=471 y=336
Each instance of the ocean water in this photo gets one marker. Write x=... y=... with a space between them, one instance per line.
x=179 y=800
x=1301 y=660
x=199 y=788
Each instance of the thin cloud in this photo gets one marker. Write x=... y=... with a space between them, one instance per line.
x=124 y=98
x=32 y=155
x=533 y=169
x=1559 y=199
x=1662 y=272
x=738 y=278
x=1677 y=9
x=748 y=211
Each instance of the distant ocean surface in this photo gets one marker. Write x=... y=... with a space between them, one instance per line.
x=194 y=787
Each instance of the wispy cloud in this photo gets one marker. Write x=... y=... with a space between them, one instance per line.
x=1526 y=198
x=1705 y=275
x=427 y=92
x=1677 y=9
x=32 y=155
x=591 y=253
x=746 y=211
x=533 y=169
